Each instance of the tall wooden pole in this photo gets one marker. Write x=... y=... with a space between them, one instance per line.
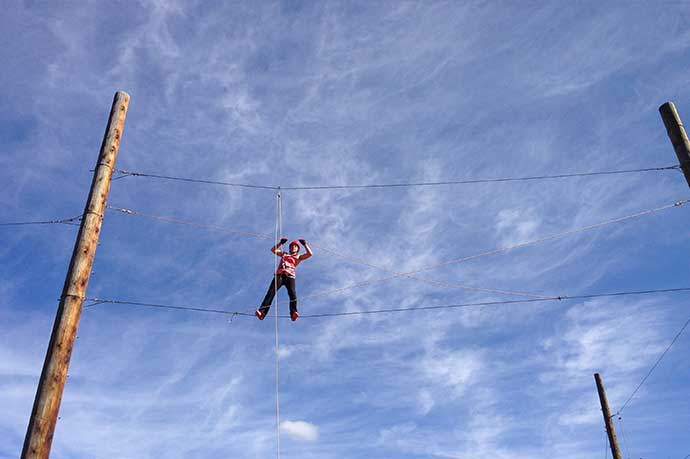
x=608 y=419
x=39 y=435
x=678 y=136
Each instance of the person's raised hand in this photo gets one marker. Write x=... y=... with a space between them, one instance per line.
x=282 y=241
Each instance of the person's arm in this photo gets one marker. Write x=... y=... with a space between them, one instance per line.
x=276 y=248
x=309 y=253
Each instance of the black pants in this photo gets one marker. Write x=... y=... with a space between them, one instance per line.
x=278 y=281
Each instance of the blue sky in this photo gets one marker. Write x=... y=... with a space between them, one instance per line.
x=313 y=93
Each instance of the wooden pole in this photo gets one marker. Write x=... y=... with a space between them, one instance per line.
x=608 y=419
x=678 y=136
x=39 y=435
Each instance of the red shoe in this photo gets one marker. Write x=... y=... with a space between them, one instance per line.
x=259 y=314
x=294 y=315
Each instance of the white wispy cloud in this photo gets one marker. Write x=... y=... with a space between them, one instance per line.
x=300 y=430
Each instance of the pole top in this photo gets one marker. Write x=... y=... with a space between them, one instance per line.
x=122 y=95
x=668 y=108
x=671 y=119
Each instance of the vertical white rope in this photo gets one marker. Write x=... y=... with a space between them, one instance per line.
x=279 y=235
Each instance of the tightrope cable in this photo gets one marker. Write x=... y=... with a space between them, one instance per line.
x=651 y=370
x=177 y=221
x=412 y=274
x=398 y=185
x=483 y=180
x=103 y=301
x=126 y=173
x=336 y=253
x=62 y=221
x=502 y=249
x=425 y=280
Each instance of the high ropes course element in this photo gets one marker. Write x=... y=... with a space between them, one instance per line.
x=412 y=274
x=656 y=364
x=97 y=301
x=409 y=274
x=126 y=173
x=324 y=248
x=528 y=298
x=63 y=221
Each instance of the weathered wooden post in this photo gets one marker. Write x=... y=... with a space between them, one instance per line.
x=679 y=138
x=608 y=421
x=39 y=435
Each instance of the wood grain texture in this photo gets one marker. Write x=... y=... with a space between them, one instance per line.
x=44 y=415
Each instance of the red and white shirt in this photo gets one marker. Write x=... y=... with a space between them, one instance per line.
x=288 y=264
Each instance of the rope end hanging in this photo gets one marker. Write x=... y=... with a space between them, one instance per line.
x=232 y=316
x=278 y=236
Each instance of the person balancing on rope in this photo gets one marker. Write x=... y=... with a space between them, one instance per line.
x=285 y=275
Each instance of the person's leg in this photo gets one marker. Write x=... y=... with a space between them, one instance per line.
x=268 y=299
x=291 y=285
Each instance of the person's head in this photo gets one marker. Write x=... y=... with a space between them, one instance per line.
x=294 y=248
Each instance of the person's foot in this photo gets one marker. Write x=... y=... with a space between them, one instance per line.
x=259 y=314
x=294 y=315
